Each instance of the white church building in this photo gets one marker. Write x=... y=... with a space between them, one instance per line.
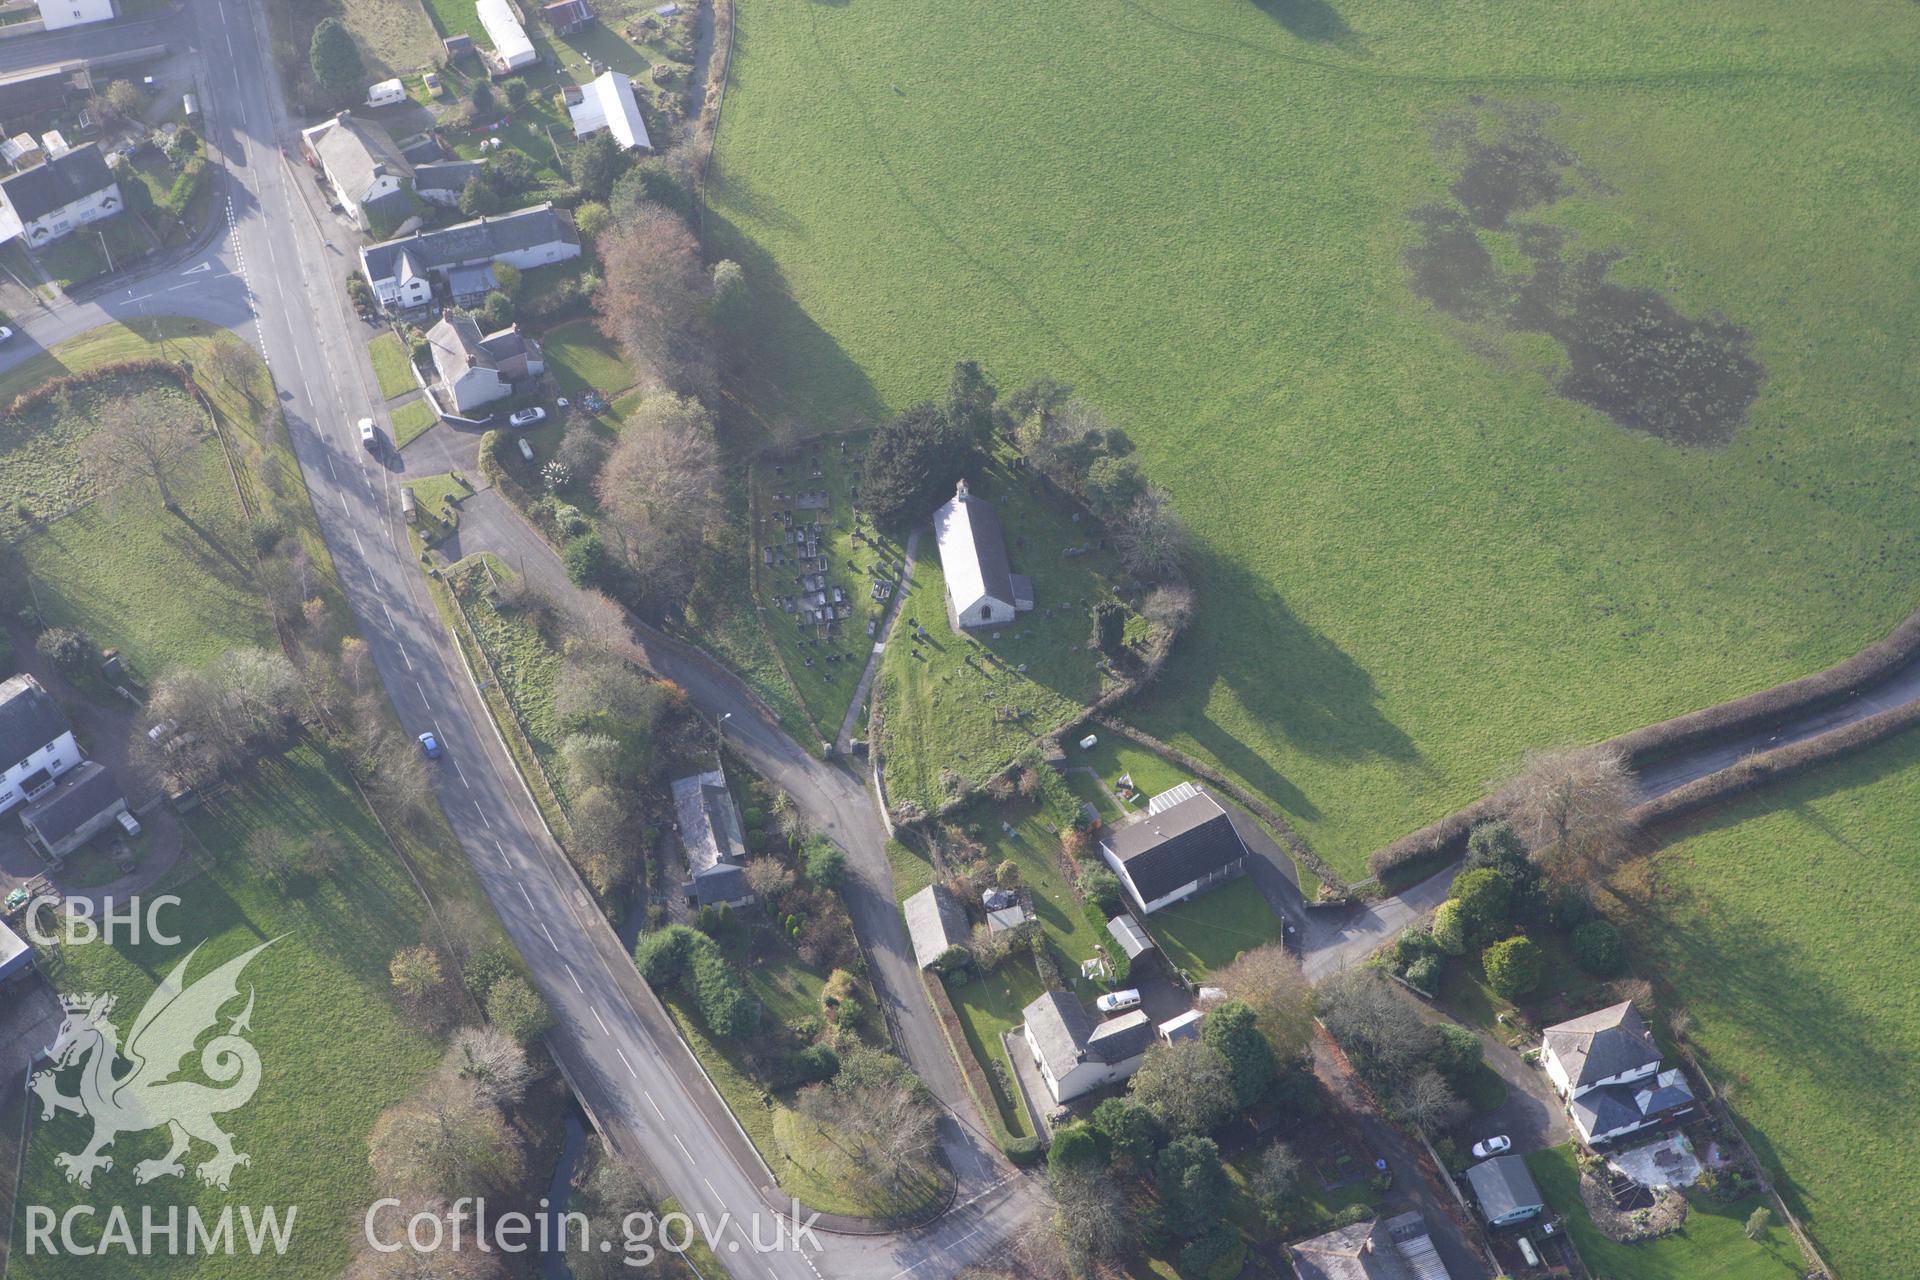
x=982 y=590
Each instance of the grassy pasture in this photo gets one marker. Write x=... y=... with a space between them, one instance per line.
x=1783 y=926
x=42 y=471
x=1417 y=558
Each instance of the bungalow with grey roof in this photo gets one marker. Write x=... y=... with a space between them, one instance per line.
x=1184 y=843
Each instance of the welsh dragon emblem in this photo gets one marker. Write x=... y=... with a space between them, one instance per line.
x=147 y=1096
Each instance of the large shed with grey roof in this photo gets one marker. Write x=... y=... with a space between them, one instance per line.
x=710 y=830
x=935 y=923
x=81 y=804
x=1505 y=1190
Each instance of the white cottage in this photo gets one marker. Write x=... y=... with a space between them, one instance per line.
x=36 y=742
x=55 y=199
x=1077 y=1055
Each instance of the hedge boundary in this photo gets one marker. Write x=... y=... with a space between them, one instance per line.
x=1021 y=1151
x=1755 y=771
x=1869 y=667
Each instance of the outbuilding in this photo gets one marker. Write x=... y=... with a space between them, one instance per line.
x=1505 y=1190
x=83 y=803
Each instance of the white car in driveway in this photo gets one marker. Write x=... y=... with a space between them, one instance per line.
x=527 y=417
x=6 y=334
x=1492 y=1147
x=1115 y=1001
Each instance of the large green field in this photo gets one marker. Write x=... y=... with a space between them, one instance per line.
x=1784 y=927
x=1419 y=556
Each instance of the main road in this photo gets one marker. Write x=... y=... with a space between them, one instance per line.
x=274 y=278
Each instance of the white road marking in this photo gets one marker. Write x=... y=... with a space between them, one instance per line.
x=576 y=979
x=359 y=544
x=710 y=1186
x=523 y=887
x=683 y=1147
x=407 y=656
x=549 y=933
x=603 y=1024
x=384 y=609
x=422 y=689
x=656 y=1106
x=483 y=815
x=230 y=52
x=462 y=772
x=626 y=1064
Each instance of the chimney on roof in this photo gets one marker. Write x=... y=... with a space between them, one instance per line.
x=960 y=490
x=344 y=115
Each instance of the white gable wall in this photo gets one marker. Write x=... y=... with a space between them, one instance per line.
x=56 y=757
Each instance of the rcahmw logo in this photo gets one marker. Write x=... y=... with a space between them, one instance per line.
x=146 y=1096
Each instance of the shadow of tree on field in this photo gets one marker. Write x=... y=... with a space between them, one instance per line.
x=784 y=371
x=1314 y=20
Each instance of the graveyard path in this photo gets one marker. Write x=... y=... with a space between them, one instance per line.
x=851 y=721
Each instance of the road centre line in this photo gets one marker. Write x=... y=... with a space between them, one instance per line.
x=576 y=979
x=483 y=815
x=522 y=884
x=625 y=1063
x=457 y=769
x=547 y=931
x=683 y=1147
x=602 y=1021
x=656 y=1106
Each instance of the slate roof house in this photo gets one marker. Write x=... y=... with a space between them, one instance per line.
x=1396 y=1248
x=403 y=271
x=1184 y=843
x=935 y=922
x=1505 y=1190
x=607 y=103
x=981 y=587
x=1075 y=1054
x=369 y=176
x=710 y=830
x=82 y=803
x=36 y=742
x=51 y=200
x=476 y=369
x=1607 y=1068
x=566 y=16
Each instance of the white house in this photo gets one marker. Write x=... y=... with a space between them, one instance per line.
x=1607 y=1068
x=48 y=201
x=1074 y=1053
x=369 y=176
x=403 y=271
x=36 y=742
x=478 y=369
x=1184 y=843
x=508 y=36
x=608 y=103
x=981 y=589
x=710 y=830
x=55 y=14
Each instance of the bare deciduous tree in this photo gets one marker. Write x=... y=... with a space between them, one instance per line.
x=442 y=1139
x=489 y=1060
x=408 y=1263
x=226 y=712
x=1275 y=1175
x=1571 y=806
x=1269 y=981
x=1378 y=1027
x=653 y=297
x=144 y=439
x=881 y=1114
x=1151 y=537
x=769 y=880
x=660 y=490
x=1091 y=1218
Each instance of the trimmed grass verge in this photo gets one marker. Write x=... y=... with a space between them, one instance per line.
x=391 y=365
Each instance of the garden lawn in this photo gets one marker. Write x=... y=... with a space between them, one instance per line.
x=92 y=249
x=391 y=365
x=580 y=358
x=805 y=1160
x=1783 y=925
x=1035 y=849
x=1205 y=933
x=1712 y=1245
x=334 y=1049
x=1114 y=757
x=410 y=420
x=777 y=480
x=990 y=1005
x=1416 y=559
x=1565 y=990
x=945 y=700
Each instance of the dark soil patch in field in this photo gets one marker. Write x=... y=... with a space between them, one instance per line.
x=1630 y=353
